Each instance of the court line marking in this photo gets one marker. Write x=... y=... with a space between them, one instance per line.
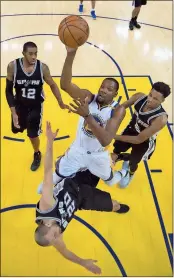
x=92 y=229
x=145 y=163
x=156 y=171
x=83 y=15
x=56 y=76
x=13 y=139
x=23 y=140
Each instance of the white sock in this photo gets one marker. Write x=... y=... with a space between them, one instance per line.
x=118 y=175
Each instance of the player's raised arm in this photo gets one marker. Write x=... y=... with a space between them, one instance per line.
x=53 y=86
x=128 y=103
x=47 y=192
x=66 y=78
x=67 y=254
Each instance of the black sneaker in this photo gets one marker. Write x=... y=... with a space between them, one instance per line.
x=123 y=209
x=135 y=23
x=131 y=25
x=36 y=162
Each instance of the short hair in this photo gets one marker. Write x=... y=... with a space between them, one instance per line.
x=115 y=81
x=40 y=233
x=27 y=45
x=162 y=88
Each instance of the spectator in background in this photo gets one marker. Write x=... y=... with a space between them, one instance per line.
x=92 y=10
x=133 y=23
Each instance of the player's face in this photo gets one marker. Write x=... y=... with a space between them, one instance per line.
x=30 y=55
x=52 y=234
x=106 y=92
x=154 y=99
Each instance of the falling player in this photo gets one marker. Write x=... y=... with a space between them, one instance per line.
x=58 y=204
x=140 y=135
x=27 y=76
x=100 y=119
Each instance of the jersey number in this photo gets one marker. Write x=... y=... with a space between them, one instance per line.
x=28 y=93
x=69 y=204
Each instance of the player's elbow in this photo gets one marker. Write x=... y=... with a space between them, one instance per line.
x=64 y=85
x=106 y=141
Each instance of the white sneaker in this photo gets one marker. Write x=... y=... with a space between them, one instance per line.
x=127 y=179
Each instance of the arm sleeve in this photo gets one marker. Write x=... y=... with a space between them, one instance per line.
x=9 y=93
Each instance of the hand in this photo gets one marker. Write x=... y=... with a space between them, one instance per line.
x=70 y=49
x=82 y=107
x=15 y=120
x=64 y=106
x=50 y=135
x=89 y=265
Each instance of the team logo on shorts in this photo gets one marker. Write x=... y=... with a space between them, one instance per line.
x=86 y=129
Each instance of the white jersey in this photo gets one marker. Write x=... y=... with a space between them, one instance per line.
x=84 y=137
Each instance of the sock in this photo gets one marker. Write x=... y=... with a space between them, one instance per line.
x=37 y=152
x=92 y=10
x=131 y=173
x=133 y=19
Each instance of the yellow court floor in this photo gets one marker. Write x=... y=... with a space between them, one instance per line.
x=135 y=244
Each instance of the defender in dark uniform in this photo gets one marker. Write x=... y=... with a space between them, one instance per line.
x=133 y=23
x=27 y=76
x=140 y=135
x=58 y=204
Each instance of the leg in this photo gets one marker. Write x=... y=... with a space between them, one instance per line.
x=121 y=147
x=81 y=7
x=34 y=121
x=133 y=23
x=99 y=164
x=137 y=154
x=35 y=143
x=93 y=4
x=93 y=9
x=98 y=200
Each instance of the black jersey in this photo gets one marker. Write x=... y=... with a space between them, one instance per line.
x=142 y=120
x=28 y=86
x=66 y=195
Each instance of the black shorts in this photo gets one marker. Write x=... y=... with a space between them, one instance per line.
x=91 y=198
x=138 y=151
x=87 y=197
x=138 y=3
x=30 y=118
x=86 y=177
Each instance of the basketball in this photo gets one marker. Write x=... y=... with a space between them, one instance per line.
x=73 y=31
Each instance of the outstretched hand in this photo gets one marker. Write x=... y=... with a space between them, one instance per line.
x=49 y=133
x=91 y=266
x=81 y=108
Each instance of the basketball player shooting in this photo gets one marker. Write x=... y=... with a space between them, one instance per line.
x=100 y=119
x=140 y=135
x=58 y=204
